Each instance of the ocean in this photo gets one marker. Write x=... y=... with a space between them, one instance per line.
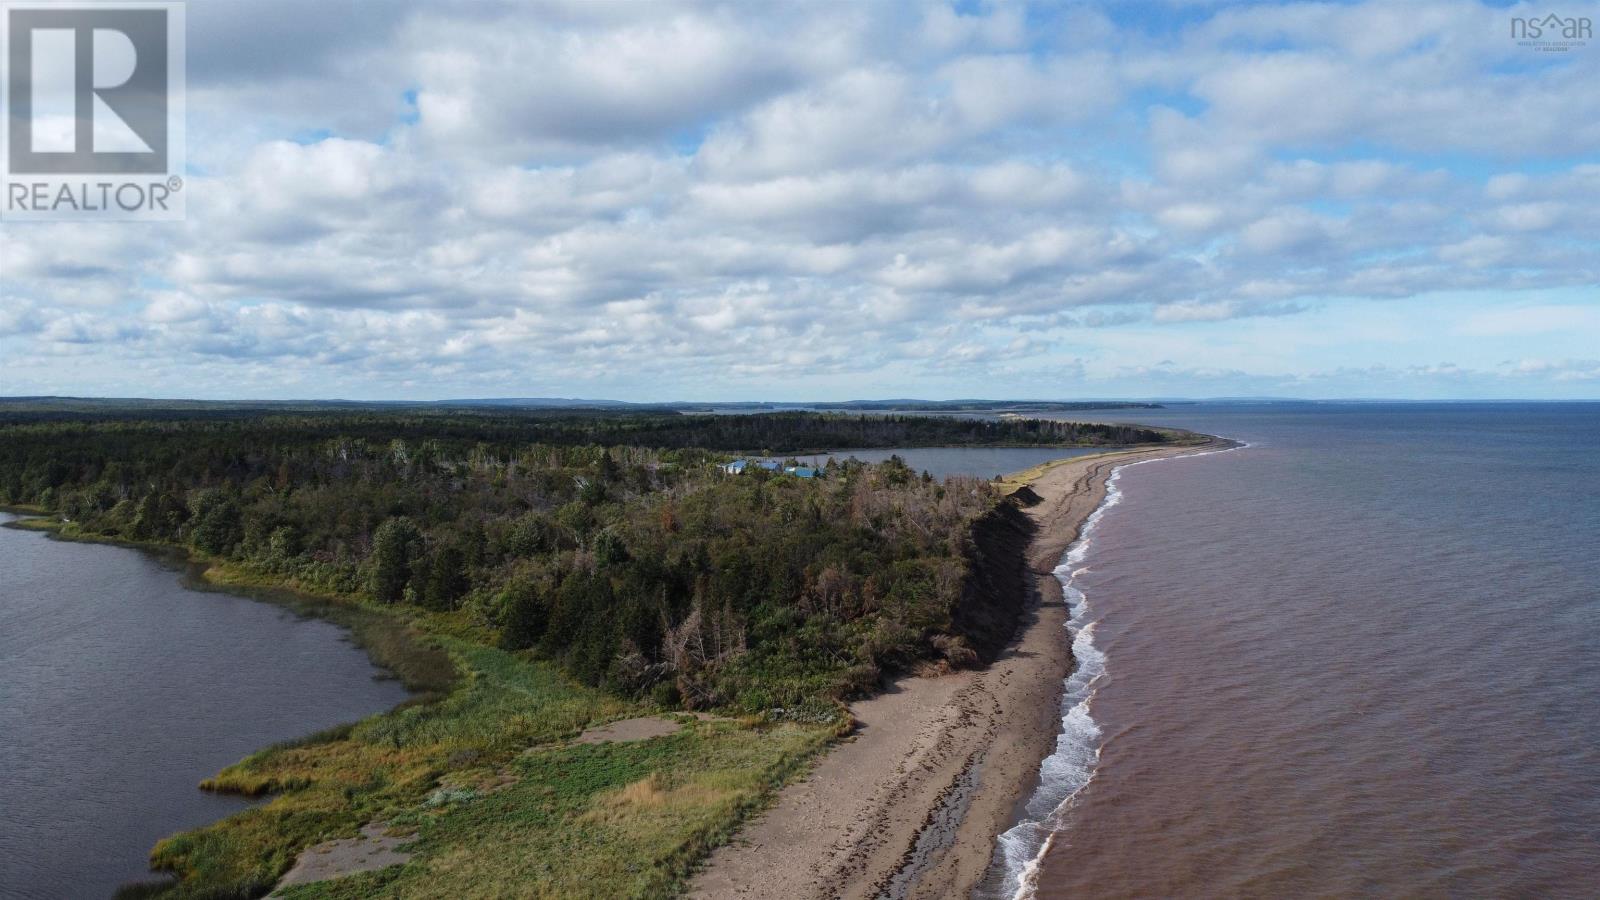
x=1358 y=657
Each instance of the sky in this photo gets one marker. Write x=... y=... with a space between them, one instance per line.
x=740 y=201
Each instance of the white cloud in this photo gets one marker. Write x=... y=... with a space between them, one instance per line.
x=510 y=197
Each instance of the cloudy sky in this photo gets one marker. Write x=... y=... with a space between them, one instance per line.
x=659 y=201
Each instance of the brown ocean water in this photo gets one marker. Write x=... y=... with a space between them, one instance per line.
x=1360 y=657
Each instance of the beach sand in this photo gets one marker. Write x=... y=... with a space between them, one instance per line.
x=911 y=805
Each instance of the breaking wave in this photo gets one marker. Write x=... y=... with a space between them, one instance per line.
x=1065 y=772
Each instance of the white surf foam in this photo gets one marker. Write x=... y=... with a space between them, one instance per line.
x=1064 y=773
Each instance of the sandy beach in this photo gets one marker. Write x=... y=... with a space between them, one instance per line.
x=911 y=805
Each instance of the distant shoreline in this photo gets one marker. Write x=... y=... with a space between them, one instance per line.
x=912 y=806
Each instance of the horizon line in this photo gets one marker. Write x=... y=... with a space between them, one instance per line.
x=586 y=401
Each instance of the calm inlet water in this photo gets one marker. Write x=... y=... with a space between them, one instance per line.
x=120 y=690
x=943 y=462
x=1360 y=657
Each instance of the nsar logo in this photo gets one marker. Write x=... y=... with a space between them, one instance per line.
x=1552 y=33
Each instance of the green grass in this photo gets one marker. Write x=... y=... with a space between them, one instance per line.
x=23 y=509
x=501 y=803
x=607 y=820
x=35 y=523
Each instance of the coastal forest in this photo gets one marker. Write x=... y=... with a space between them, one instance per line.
x=604 y=556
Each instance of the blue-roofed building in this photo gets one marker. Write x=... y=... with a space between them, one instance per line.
x=741 y=466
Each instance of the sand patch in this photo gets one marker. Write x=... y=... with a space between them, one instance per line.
x=630 y=730
x=373 y=850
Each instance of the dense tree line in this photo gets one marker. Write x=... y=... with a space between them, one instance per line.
x=803 y=431
x=782 y=432
x=613 y=545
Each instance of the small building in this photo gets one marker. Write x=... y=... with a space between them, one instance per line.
x=741 y=466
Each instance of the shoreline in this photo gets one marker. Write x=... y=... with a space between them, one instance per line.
x=390 y=640
x=940 y=766
x=182 y=574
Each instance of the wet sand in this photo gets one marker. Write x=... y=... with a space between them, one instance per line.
x=911 y=805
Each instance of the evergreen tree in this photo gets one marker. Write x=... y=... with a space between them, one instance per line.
x=219 y=528
x=526 y=616
x=394 y=546
x=447 y=579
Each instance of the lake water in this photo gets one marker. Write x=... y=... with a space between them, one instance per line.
x=1360 y=657
x=120 y=689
